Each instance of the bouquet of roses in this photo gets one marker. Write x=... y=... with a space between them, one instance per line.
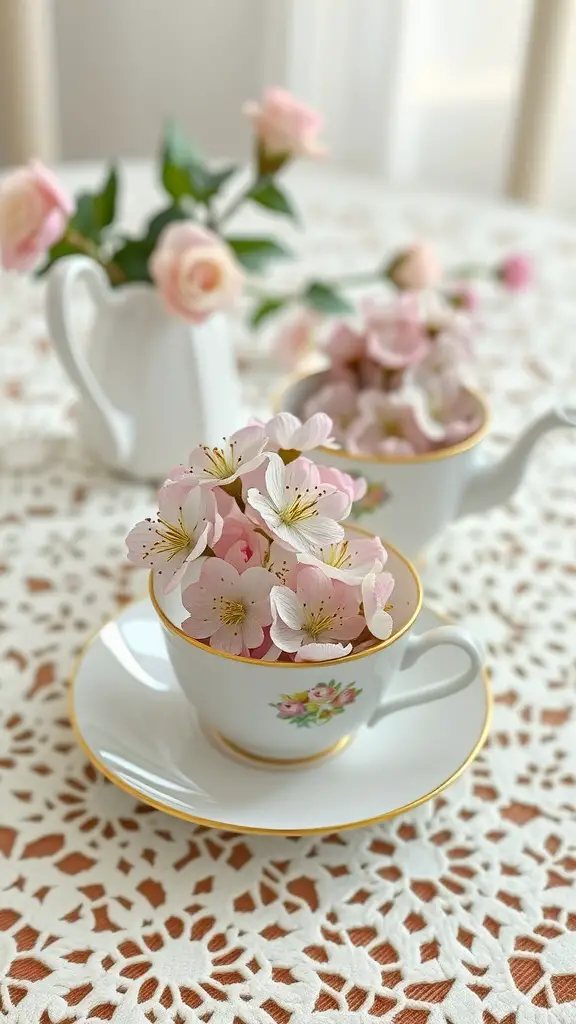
x=396 y=383
x=252 y=534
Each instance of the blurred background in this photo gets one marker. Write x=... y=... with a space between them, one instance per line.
x=424 y=92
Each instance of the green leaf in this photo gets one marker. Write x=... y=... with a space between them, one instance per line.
x=105 y=201
x=157 y=223
x=184 y=170
x=84 y=220
x=325 y=299
x=266 y=193
x=265 y=309
x=57 y=252
x=133 y=258
x=255 y=253
x=176 y=180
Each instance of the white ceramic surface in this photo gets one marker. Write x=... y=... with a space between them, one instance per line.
x=411 y=500
x=152 y=386
x=287 y=710
x=137 y=727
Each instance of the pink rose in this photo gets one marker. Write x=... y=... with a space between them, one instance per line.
x=516 y=272
x=347 y=696
x=34 y=211
x=196 y=273
x=284 y=127
x=415 y=268
x=321 y=694
x=290 y=708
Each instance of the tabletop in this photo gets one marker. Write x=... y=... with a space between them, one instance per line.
x=464 y=911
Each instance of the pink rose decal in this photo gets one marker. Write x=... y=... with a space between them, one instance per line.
x=317 y=706
x=34 y=211
x=321 y=694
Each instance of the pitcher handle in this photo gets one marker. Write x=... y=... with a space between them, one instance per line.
x=420 y=645
x=63 y=277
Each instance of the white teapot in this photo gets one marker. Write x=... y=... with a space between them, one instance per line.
x=152 y=386
x=411 y=499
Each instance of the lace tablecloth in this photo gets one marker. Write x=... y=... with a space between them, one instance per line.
x=460 y=913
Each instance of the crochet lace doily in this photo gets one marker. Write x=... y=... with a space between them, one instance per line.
x=463 y=912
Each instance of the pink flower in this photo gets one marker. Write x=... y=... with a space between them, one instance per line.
x=345 y=345
x=394 y=423
x=321 y=694
x=290 y=708
x=461 y=417
x=376 y=589
x=297 y=508
x=195 y=271
x=295 y=338
x=187 y=522
x=415 y=268
x=286 y=432
x=345 y=697
x=228 y=607
x=339 y=401
x=284 y=126
x=395 y=334
x=267 y=650
x=240 y=545
x=350 y=560
x=354 y=487
x=322 y=611
x=241 y=453
x=322 y=652
x=516 y=272
x=34 y=211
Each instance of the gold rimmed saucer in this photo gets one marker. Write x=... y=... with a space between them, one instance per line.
x=137 y=728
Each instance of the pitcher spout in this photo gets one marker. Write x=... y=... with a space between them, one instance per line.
x=493 y=483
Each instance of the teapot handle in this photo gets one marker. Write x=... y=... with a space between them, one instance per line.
x=63 y=277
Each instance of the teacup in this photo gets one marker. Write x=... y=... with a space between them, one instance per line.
x=411 y=499
x=287 y=713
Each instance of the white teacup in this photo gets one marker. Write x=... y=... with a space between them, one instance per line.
x=413 y=498
x=286 y=712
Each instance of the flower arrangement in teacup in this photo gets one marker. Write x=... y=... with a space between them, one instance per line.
x=397 y=378
x=253 y=533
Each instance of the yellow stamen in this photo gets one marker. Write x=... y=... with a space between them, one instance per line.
x=175 y=537
x=338 y=556
x=299 y=509
x=316 y=624
x=232 y=613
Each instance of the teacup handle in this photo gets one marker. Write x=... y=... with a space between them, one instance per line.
x=419 y=645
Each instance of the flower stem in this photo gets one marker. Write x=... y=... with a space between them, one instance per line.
x=87 y=246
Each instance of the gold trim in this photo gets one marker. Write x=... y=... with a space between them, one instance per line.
x=279 y=762
x=247 y=829
x=398 y=460
x=255 y=662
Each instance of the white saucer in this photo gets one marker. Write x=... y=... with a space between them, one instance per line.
x=136 y=726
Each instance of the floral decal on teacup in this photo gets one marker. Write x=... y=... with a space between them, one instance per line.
x=375 y=495
x=316 y=706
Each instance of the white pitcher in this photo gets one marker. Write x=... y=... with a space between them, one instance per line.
x=152 y=386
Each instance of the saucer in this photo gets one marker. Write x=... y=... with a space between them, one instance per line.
x=135 y=725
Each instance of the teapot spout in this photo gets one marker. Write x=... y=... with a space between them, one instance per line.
x=493 y=483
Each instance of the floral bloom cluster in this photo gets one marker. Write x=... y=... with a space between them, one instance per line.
x=316 y=706
x=396 y=382
x=252 y=534
x=185 y=249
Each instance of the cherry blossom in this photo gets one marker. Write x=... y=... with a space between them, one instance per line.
x=297 y=508
x=287 y=433
x=395 y=334
x=321 y=612
x=228 y=607
x=349 y=560
x=187 y=522
x=242 y=452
